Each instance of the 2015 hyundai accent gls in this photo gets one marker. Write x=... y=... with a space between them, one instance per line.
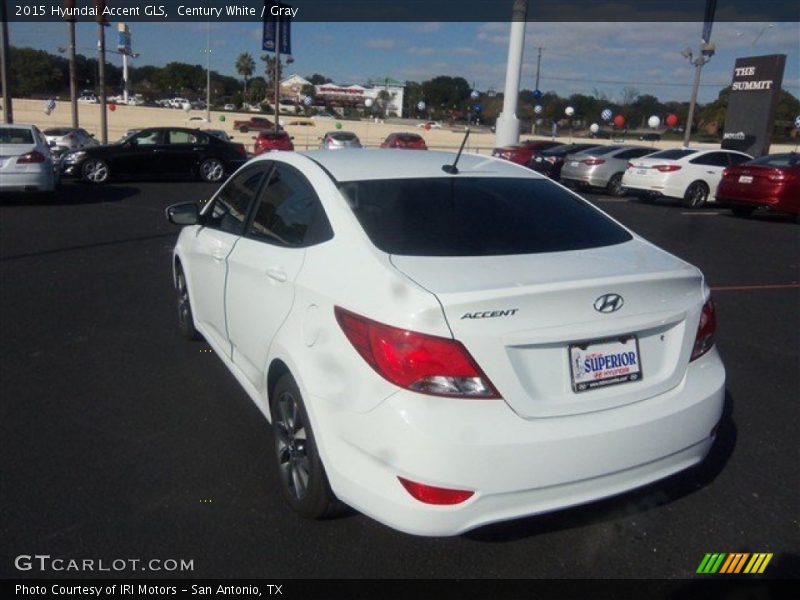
x=442 y=347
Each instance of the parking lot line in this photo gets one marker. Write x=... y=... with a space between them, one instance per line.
x=741 y=288
x=698 y=214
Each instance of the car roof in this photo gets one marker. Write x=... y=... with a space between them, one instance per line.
x=17 y=126
x=360 y=164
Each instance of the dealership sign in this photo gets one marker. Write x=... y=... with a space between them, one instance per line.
x=755 y=91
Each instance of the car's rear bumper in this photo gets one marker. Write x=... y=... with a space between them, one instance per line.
x=776 y=198
x=41 y=181
x=514 y=466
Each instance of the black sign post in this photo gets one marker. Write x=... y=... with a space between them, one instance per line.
x=755 y=92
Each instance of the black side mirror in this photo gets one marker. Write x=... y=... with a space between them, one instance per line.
x=184 y=213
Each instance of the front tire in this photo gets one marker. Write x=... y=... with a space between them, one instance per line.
x=696 y=195
x=212 y=170
x=185 y=315
x=304 y=484
x=95 y=170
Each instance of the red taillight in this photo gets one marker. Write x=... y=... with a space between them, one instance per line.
x=435 y=495
x=667 y=168
x=31 y=157
x=777 y=175
x=593 y=161
x=628 y=166
x=726 y=173
x=416 y=361
x=705 y=330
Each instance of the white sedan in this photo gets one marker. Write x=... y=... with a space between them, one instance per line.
x=691 y=175
x=442 y=348
x=25 y=161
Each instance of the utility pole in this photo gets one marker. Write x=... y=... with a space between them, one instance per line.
x=507 y=128
x=538 y=66
x=101 y=57
x=8 y=115
x=707 y=50
x=73 y=77
x=208 y=73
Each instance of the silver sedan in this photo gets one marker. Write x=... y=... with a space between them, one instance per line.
x=602 y=167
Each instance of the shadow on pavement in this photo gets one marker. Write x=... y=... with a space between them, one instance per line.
x=628 y=504
x=72 y=194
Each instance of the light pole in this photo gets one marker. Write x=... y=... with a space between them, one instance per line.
x=208 y=73
x=8 y=115
x=507 y=128
x=707 y=50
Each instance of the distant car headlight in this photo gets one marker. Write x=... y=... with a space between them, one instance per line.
x=74 y=157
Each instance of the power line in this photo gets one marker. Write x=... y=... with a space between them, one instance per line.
x=655 y=83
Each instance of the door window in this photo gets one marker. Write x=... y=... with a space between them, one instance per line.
x=712 y=159
x=147 y=138
x=177 y=136
x=289 y=212
x=229 y=209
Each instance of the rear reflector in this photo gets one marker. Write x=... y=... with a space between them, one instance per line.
x=593 y=161
x=705 y=330
x=435 y=495
x=667 y=168
x=31 y=157
x=416 y=361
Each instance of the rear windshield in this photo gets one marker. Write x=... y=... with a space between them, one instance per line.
x=477 y=216
x=776 y=160
x=409 y=137
x=15 y=136
x=343 y=137
x=601 y=150
x=568 y=149
x=57 y=131
x=671 y=154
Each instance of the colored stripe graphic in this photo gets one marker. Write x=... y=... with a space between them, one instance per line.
x=723 y=563
x=711 y=562
x=758 y=563
x=734 y=563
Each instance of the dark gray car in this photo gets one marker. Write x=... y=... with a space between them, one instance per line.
x=602 y=167
x=335 y=140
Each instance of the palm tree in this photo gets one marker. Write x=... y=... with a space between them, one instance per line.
x=245 y=66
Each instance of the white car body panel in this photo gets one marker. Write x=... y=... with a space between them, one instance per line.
x=540 y=447
x=26 y=177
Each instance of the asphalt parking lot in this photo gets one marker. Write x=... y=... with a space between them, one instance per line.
x=122 y=440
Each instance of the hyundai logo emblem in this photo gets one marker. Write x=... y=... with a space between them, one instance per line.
x=608 y=303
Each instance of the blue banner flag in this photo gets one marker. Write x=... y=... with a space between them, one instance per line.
x=275 y=15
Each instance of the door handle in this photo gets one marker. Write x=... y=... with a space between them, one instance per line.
x=158 y=150
x=278 y=275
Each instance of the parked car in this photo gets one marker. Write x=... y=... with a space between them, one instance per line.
x=771 y=181
x=254 y=124
x=601 y=167
x=178 y=102
x=269 y=140
x=430 y=125
x=229 y=107
x=492 y=357
x=335 y=140
x=156 y=153
x=25 y=161
x=88 y=98
x=650 y=137
x=549 y=161
x=684 y=173
x=404 y=140
x=523 y=152
x=223 y=135
x=65 y=139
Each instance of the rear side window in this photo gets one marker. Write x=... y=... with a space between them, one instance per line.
x=230 y=206
x=777 y=160
x=738 y=159
x=476 y=216
x=11 y=135
x=634 y=153
x=712 y=159
x=289 y=212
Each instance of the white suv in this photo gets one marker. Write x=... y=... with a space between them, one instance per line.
x=443 y=347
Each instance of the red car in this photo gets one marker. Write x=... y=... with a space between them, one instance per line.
x=254 y=124
x=269 y=140
x=523 y=152
x=772 y=181
x=408 y=141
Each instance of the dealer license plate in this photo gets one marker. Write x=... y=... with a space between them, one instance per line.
x=573 y=163
x=604 y=362
x=641 y=171
x=745 y=179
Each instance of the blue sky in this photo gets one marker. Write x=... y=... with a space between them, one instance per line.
x=577 y=57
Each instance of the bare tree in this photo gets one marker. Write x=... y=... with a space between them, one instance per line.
x=628 y=95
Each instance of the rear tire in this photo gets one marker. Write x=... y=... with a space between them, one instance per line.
x=185 y=315
x=743 y=211
x=615 y=187
x=696 y=195
x=211 y=170
x=304 y=484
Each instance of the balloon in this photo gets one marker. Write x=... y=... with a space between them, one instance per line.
x=478 y=108
x=187 y=107
x=222 y=118
x=368 y=102
x=672 y=120
x=537 y=94
x=538 y=109
x=569 y=111
x=475 y=94
x=606 y=114
x=653 y=122
x=47 y=111
x=619 y=121
x=112 y=107
x=338 y=125
x=420 y=105
x=427 y=126
x=307 y=100
x=594 y=127
x=797 y=122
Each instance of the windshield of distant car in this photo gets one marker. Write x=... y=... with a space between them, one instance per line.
x=13 y=135
x=343 y=137
x=602 y=150
x=672 y=154
x=568 y=149
x=58 y=131
x=477 y=216
x=777 y=160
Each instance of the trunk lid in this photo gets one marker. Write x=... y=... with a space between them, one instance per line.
x=519 y=315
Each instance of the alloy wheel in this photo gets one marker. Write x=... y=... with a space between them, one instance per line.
x=212 y=170
x=291 y=446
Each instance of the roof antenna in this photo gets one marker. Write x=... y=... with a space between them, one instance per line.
x=453 y=169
